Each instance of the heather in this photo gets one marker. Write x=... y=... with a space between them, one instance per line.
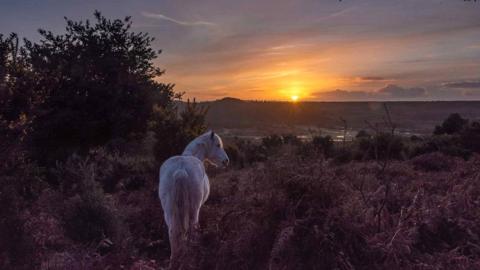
x=286 y=212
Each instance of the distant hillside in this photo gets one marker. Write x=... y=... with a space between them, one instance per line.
x=415 y=116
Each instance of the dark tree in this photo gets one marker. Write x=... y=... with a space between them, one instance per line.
x=16 y=80
x=452 y=125
x=96 y=82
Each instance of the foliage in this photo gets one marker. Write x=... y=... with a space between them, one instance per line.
x=173 y=133
x=362 y=134
x=323 y=145
x=87 y=216
x=452 y=125
x=381 y=146
x=470 y=137
x=456 y=137
x=434 y=162
x=17 y=81
x=272 y=142
x=82 y=88
x=21 y=184
x=447 y=144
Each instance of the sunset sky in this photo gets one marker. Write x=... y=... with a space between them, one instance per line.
x=277 y=49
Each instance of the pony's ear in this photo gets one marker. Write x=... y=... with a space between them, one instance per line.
x=212 y=135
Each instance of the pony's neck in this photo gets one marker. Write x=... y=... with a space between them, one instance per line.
x=196 y=148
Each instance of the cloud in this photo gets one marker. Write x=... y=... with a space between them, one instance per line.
x=463 y=84
x=185 y=23
x=372 y=78
x=395 y=91
x=342 y=95
x=389 y=92
x=472 y=94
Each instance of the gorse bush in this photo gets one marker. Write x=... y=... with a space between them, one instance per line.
x=88 y=216
x=173 y=132
x=380 y=146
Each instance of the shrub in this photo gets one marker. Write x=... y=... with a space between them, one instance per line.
x=470 y=137
x=433 y=162
x=291 y=139
x=88 y=216
x=362 y=134
x=235 y=156
x=16 y=246
x=447 y=144
x=343 y=155
x=323 y=145
x=250 y=152
x=173 y=133
x=453 y=124
x=272 y=142
x=380 y=146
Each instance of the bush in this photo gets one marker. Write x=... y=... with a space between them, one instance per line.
x=362 y=134
x=88 y=219
x=452 y=125
x=272 y=143
x=343 y=155
x=470 y=137
x=291 y=139
x=173 y=133
x=236 y=159
x=447 y=144
x=323 y=145
x=433 y=162
x=380 y=146
x=88 y=216
x=16 y=246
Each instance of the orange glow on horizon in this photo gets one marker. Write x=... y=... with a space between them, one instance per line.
x=281 y=78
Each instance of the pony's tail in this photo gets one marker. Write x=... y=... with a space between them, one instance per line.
x=181 y=205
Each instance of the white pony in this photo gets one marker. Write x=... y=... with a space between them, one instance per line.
x=184 y=187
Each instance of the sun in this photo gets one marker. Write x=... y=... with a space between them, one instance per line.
x=294 y=98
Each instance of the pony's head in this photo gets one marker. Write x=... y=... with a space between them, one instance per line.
x=208 y=146
x=215 y=152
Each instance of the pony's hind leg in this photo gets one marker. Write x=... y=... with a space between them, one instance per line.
x=194 y=225
x=177 y=248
